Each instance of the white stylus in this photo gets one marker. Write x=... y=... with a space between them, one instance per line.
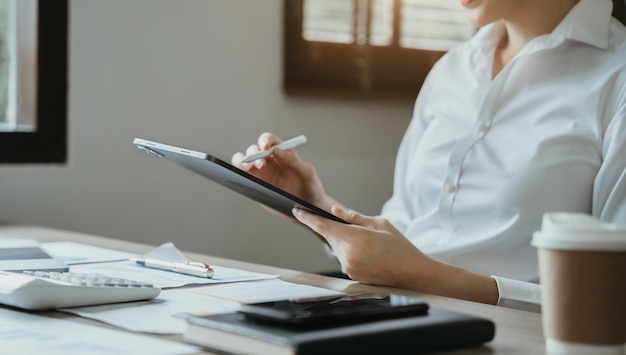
x=288 y=144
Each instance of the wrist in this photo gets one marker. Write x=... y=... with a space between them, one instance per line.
x=473 y=286
x=435 y=277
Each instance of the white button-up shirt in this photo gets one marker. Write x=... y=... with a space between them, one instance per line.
x=483 y=159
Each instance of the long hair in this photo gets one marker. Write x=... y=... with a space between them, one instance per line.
x=619 y=10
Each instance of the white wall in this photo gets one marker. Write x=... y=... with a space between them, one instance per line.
x=205 y=74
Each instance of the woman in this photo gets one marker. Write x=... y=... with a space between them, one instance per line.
x=533 y=122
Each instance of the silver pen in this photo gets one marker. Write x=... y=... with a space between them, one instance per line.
x=187 y=268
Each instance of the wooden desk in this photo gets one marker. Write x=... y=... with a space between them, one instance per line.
x=517 y=332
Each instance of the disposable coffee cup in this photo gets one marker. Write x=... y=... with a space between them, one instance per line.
x=582 y=269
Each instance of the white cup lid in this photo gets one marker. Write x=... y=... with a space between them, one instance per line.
x=578 y=231
x=557 y=347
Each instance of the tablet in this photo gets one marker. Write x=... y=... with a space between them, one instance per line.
x=232 y=177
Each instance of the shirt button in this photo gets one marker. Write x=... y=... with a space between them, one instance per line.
x=481 y=127
x=449 y=187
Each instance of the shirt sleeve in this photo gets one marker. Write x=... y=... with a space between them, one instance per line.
x=520 y=295
x=610 y=183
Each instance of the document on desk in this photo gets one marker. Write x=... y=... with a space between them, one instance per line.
x=166 y=314
x=167 y=279
x=26 y=333
x=130 y=270
x=73 y=253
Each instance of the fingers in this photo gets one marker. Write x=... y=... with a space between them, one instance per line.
x=236 y=160
x=288 y=158
x=318 y=224
x=265 y=141
x=326 y=227
x=253 y=149
x=259 y=163
x=356 y=218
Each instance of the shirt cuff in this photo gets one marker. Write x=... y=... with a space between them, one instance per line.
x=520 y=295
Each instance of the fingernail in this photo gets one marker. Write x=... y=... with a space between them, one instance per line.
x=259 y=163
x=296 y=212
x=263 y=143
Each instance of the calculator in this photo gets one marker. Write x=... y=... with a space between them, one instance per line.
x=39 y=290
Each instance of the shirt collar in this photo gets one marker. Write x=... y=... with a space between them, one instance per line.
x=587 y=22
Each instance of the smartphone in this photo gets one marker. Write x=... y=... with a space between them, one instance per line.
x=333 y=310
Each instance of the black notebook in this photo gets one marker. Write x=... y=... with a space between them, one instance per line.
x=437 y=330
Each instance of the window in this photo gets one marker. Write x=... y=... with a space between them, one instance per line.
x=367 y=48
x=17 y=74
x=33 y=81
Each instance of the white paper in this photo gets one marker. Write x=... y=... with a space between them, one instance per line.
x=167 y=252
x=17 y=243
x=165 y=315
x=84 y=258
x=78 y=253
x=25 y=333
x=167 y=279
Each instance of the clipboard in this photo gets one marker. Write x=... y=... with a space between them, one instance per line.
x=232 y=178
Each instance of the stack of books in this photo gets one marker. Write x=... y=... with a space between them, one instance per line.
x=435 y=330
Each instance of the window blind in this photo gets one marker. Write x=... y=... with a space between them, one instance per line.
x=433 y=24
x=328 y=21
x=422 y=24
